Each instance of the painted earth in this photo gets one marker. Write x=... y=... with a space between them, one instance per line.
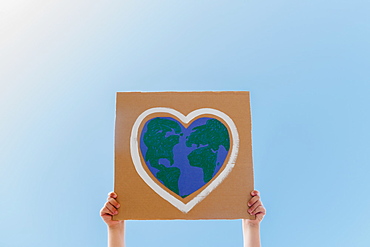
x=184 y=159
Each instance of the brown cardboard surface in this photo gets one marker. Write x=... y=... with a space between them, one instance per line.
x=139 y=201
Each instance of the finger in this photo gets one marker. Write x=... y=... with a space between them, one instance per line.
x=253 y=200
x=260 y=216
x=105 y=212
x=111 y=208
x=259 y=210
x=112 y=195
x=255 y=193
x=114 y=202
x=254 y=206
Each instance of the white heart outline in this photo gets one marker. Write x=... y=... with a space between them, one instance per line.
x=135 y=154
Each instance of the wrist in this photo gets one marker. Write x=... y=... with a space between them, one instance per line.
x=251 y=233
x=116 y=234
x=119 y=226
x=251 y=223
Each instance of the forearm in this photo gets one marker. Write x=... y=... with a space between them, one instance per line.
x=116 y=235
x=251 y=234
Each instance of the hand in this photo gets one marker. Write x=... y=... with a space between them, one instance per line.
x=110 y=209
x=256 y=208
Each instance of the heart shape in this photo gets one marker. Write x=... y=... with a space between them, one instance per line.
x=204 y=143
x=184 y=159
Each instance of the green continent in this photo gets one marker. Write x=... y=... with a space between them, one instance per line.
x=211 y=135
x=170 y=177
x=206 y=159
x=161 y=147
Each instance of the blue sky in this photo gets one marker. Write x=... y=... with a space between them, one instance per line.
x=306 y=64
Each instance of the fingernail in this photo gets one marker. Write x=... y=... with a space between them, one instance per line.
x=118 y=205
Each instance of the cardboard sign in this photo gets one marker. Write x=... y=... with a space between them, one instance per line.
x=183 y=155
